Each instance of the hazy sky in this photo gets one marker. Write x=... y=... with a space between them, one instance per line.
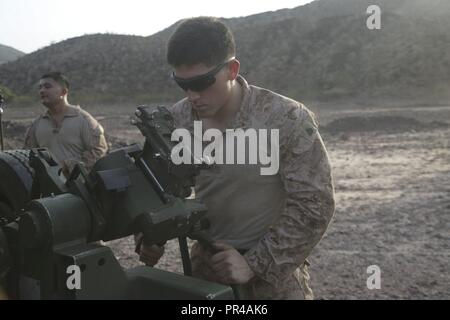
x=28 y=25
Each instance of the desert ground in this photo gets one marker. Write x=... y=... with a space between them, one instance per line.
x=391 y=167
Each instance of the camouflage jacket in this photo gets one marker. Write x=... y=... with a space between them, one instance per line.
x=300 y=197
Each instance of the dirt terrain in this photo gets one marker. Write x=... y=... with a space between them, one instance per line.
x=391 y=167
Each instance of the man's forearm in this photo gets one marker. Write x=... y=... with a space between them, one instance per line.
x=291 y=239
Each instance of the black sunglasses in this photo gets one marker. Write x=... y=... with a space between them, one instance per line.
x=201 y=82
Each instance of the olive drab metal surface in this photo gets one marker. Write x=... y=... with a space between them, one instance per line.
x=51 y=224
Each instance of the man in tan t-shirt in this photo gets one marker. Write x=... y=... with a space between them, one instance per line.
x=71 y=134
x=263 y=227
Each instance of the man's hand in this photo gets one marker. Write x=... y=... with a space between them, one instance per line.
x=65 y=170
x=230 y=266
x=67 y=166
x=150 y=255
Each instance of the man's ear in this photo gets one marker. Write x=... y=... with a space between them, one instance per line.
x=233 y=69
x=65 y=91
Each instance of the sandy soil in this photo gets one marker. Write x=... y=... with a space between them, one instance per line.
x=393 y=210
x=392 y=195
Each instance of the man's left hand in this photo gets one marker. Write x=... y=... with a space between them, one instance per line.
x=230 y=266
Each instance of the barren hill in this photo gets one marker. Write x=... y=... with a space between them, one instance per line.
x=322 y=50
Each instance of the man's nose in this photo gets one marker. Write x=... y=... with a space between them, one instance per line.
x=192 y=95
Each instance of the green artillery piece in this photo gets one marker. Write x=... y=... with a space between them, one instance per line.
x=51 y=225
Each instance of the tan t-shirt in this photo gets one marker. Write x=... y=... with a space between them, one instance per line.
x=80 y=138
x=278 y=219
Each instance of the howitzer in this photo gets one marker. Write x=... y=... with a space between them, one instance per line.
x=51 y=224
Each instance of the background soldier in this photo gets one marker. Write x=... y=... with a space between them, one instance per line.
x=71 y=134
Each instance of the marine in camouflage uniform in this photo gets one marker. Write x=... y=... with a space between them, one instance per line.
x=273 y=221
x=71 y=134
x=80 y=138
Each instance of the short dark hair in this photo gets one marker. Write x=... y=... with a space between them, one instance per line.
x=204 y=40
x=58 y=77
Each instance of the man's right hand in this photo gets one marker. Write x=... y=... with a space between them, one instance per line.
x=150 y=255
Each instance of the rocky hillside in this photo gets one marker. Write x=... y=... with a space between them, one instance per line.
x=9 y=54
x=322 y=50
